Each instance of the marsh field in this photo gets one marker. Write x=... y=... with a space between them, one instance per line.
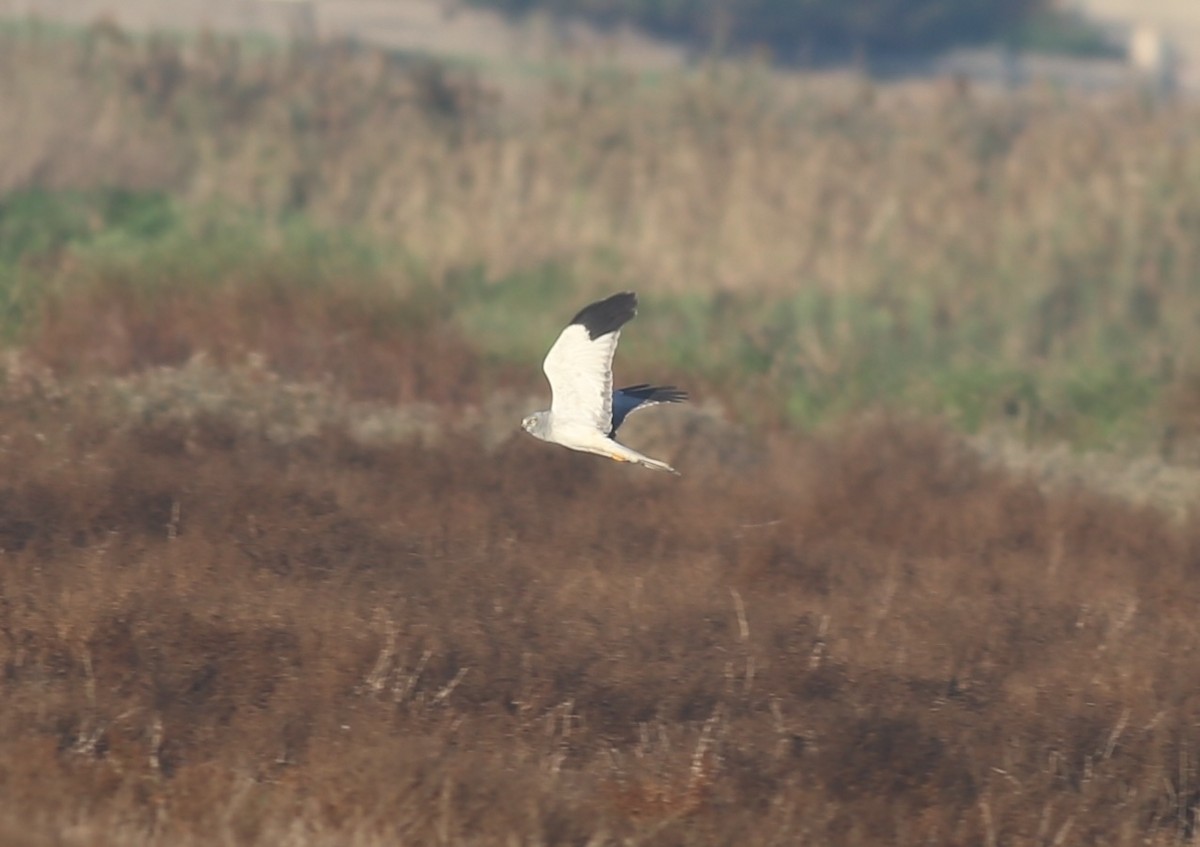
x=277 y=566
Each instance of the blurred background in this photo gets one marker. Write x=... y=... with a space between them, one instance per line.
x=983 y=211
x=987 y=40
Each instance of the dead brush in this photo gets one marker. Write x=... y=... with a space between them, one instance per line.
x=435 y=641
x=661 y=799
x=666 y=794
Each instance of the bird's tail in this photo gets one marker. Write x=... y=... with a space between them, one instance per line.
x=627 y=454
x=655 y=464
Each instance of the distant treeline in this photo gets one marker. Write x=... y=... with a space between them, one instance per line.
x=799 y=28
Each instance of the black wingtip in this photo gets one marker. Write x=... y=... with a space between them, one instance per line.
x=607 y=315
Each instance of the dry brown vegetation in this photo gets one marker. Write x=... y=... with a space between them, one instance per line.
x=210 y=635
x=375 y=344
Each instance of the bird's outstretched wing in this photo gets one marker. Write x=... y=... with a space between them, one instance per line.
x=579 y=365
x=642 y=396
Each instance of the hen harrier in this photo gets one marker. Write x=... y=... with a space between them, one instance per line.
x=585 y=413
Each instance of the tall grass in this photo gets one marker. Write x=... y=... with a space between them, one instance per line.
x=833 y=244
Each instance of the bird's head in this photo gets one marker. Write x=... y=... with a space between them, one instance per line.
x=535 y=424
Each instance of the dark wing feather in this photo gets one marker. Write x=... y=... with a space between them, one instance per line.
x=642 y=396
x=607 y=315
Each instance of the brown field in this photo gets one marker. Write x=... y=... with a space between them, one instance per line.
x=214 y=633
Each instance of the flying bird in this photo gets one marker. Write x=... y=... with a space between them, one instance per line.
x=585 y=413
